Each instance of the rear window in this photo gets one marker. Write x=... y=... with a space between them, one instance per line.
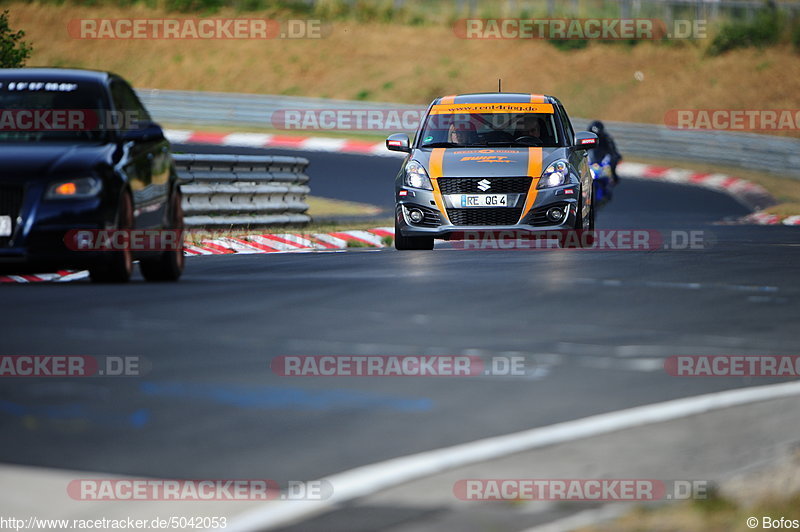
x=40 y=111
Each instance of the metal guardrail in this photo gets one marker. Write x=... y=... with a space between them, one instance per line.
x=772 y=154
x=243 y=190
x=235 y=109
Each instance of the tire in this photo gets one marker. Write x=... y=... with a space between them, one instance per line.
x=119 y=267
x=411 y=242
x=169 y=265
x=592 y=213
x=584 y=228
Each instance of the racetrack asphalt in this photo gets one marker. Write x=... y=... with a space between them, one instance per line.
x=595 y=325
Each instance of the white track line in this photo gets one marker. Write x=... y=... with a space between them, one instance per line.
x=370 y=479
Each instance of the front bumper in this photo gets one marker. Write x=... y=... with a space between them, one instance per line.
x=437 y=224
x=37 y=242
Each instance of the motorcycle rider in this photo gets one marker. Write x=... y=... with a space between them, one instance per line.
x=605 y=146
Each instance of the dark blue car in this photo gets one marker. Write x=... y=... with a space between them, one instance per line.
x=80 y=156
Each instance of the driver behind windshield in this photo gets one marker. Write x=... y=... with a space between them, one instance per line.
x=530 y=126
x=463 y=133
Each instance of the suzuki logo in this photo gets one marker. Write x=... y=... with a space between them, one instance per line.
x=484 y=185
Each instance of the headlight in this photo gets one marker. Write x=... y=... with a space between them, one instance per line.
x=554 y=175
x=83 y=187
x=417 y=177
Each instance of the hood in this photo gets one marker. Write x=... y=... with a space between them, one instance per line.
x=26 y=161
x=487 y=162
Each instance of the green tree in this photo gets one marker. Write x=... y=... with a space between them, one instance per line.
x=13 y=50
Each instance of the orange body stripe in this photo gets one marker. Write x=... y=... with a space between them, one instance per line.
x=448 y=100
x=435 y=172
x=537 y=98
x=535 y=171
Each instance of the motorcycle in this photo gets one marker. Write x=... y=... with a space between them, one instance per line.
x=601 y=175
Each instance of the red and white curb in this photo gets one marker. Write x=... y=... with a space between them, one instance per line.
x=751 y=194
x=764 y=218
x=248 y=244
x=286 y=142
x=59 y=276
x=291 y=242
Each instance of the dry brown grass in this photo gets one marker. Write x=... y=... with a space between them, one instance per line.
x=326 y=207
x=415 y=64
x=718 y=514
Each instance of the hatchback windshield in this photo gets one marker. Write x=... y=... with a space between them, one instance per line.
x=445 y=128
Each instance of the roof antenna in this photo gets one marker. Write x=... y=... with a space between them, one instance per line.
x=499 y=85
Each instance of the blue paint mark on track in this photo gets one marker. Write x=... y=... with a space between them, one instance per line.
x=77 y=412
x=274 y=398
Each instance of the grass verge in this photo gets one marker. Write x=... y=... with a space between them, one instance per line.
x=715 y=514
x=325 y=207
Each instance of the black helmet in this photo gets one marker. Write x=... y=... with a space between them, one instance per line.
x=596 y=127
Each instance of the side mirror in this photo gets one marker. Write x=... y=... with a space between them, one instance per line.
x=398 y=142
x=142 y=132
x=585 y=140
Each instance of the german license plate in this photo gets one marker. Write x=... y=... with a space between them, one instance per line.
x=484 y=200
x=5 y=225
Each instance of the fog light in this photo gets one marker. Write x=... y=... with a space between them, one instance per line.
x=416 y=215
x=555 y=214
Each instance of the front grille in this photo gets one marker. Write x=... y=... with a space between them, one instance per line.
x=10 y=205
x=497 y=185
x=485 y=216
